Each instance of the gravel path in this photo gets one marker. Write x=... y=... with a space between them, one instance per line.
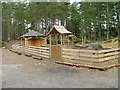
x=20 y=71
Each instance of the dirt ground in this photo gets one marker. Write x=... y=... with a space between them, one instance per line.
x=19 y=71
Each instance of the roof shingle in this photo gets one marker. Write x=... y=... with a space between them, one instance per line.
x=60 y=29
x=32 y=33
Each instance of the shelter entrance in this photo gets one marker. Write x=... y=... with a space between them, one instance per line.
x=55 y=46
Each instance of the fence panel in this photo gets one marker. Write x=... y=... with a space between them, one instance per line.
x=110 y=54
x=39 y=51
x=91 y=55
x=72 y=54
x=32 y=50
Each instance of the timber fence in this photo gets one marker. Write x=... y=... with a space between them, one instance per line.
x=91 y=55
x=32 y=50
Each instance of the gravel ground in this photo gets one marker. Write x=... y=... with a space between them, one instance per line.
x=19 y=71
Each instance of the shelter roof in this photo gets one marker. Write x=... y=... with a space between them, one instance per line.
x=32 y=33
x=60 y=29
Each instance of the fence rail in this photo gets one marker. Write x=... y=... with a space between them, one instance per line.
x=91 y=55
x=38 y=51
x=32 y=50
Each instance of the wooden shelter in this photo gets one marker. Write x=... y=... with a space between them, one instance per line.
x=33 y=38
x=57 y=33
x=55 y=36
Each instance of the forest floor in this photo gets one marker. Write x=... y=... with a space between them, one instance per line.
x=19 y=71
x=112 y=43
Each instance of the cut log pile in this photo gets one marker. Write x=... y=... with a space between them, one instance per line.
x=88 y=66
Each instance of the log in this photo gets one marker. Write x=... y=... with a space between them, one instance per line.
x=11 y=50
x=39 y=58
x=15 y=51
x=88 y=66
x=19 y=53
x=111 y=66
x=28 y=55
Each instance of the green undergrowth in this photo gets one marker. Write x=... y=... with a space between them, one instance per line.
x=2 y=44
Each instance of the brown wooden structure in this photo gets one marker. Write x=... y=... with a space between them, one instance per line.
x=88 y=58
x=33 y=38
x=55 y=36
x=82 y=55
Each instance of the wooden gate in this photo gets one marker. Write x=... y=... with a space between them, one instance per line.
x=56 y=52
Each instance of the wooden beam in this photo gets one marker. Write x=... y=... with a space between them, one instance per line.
x=89 y=66
x=25 y=42
x=81 y=50
x=68 y=40
x=50 y=40
x=56 y=39
x=50 y=45
x=21 y=42
x=61 y=39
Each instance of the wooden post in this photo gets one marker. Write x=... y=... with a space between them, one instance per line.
x=50 y=40
x=98 y=56
x=50 y=45
x=25 y=42
x=82 y=40
x=61 y=39
x=21 y=42
x=68 y=40
x=56 y=39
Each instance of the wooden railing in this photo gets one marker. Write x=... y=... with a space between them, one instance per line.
x=110 y=54
x=90 y=55
x=32 y=50
x=37 y=51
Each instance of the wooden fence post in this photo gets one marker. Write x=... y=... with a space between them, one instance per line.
x=61 y=39
x=50 y=45
x=98 y=56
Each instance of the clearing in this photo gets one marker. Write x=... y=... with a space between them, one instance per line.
x=20 y=71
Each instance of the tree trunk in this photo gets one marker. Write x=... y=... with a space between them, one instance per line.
x=107 y=23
